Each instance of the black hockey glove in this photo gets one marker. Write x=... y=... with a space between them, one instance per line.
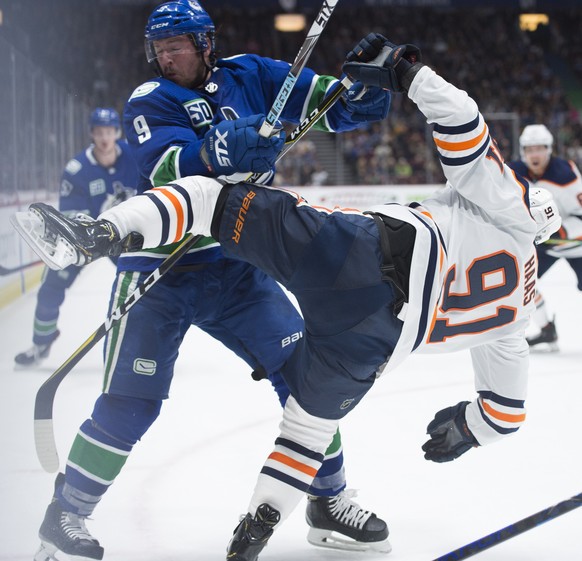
x=450 y=436
x=368 y=48
x=393 y=68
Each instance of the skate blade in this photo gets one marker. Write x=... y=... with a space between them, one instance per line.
x=49 y=552
x=331 y=540
x=545 y=348
x=57 y=252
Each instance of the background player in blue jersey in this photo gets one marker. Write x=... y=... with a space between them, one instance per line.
x=562 y=178
x=103 y=174
x=201 y=116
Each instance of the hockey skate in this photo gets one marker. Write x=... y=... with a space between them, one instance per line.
x=34 y=356
x=340 y=523
x=60 y=241
x=64 y=537
x=547 y=339
x=252 y=534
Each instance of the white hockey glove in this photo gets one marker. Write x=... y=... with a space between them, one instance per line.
x=567 y=242
x=60 y=241
x=545 y=212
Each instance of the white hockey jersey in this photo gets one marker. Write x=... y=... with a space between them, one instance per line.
x=488 y=263
x=473 y=271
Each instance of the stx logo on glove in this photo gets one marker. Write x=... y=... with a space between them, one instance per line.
x=221 y=149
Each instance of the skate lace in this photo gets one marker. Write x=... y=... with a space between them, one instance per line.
x=74 y=527
x=348 y=512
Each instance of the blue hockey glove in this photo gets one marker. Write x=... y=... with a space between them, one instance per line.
x=236 y=147
x=369 y=105
x=450 y=436
x=393 y=68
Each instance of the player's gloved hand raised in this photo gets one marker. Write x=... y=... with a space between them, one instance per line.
x=236 y=146
x=393 y=68
x=545 y=213
x=449 y=435
x=367 y=104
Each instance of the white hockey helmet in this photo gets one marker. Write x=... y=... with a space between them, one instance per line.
x=535 y=135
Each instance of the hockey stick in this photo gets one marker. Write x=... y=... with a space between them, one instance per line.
x=298 y=65
x=326 y=104
x=302 y=128
x=9 y=270
x=564 y=241
x=513 y=530
x=44 y=438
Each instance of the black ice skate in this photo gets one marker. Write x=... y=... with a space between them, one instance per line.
x=252 y=534
x=340 y=523
x=64 y=537
x=546 y=340
x=33 y=356
x=61 y=241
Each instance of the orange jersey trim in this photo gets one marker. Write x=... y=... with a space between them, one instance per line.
x=459 y=146
x=503 y=416
x=304 y=468
x=179 y=211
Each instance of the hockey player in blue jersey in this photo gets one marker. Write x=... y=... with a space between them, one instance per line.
x=103 y=174
x=562 y=178
x=201 y=116
x=457 y=271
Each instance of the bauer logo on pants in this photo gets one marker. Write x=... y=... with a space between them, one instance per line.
x=144 y=366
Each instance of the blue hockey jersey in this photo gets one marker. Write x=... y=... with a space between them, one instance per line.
x=88 y=187
x=165 y=125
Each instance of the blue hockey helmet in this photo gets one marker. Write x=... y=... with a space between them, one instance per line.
x=180 y=17
x=104 y=117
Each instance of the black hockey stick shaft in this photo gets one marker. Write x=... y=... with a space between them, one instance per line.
x=302 y=128
x=46 y=448
x=297 y=67
x=317 y=113
x=513 y=530
x=9 y=270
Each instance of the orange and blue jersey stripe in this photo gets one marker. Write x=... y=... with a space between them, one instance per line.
x=293 y=464
x=462 y=143
x=502 y=414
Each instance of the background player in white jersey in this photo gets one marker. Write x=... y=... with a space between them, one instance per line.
x=562 y=178
x=456 y=272
x=200 y=116
x=103 y=174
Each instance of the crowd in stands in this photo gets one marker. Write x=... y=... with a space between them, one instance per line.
x=517 y=77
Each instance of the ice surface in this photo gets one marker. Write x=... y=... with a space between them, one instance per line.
x=184 y=487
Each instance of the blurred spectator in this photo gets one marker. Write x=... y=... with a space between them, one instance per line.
x=96 y=49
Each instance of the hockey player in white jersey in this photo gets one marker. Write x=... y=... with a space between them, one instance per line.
x=562 y=179
x=457 y=271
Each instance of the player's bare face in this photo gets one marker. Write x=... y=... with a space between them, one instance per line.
x=180 y=61
x=104 y=139
x=537 y=158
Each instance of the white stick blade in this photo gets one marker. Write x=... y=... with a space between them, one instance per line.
x=46 y=448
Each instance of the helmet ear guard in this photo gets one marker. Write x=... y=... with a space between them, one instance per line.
x=180 y=17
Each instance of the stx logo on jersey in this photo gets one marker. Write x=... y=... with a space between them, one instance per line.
x=199 y=112
x=221 y=149
x=240 y=222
